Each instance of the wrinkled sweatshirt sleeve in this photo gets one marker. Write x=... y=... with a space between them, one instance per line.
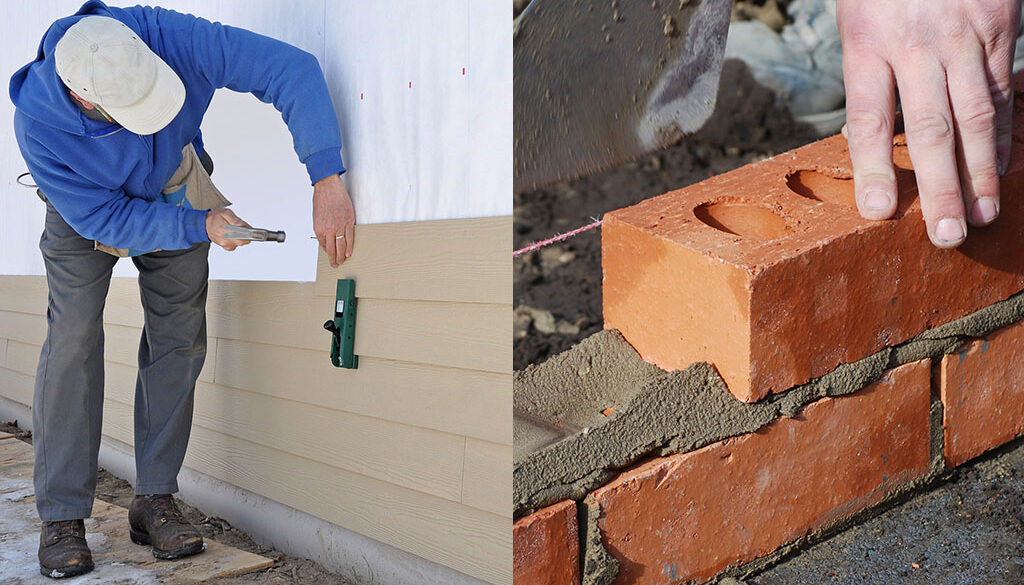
x=108 y=215
x=275 y=72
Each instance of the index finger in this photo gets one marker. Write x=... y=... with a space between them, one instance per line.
x=870 y=113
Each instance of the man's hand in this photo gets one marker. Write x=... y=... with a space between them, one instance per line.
x=216 y=221
x=334 y=218
x=951 y=61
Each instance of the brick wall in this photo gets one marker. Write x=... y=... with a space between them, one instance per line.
x=689 y=516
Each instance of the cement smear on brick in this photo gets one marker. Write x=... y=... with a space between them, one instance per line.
x=599 y=566
x=658 y=413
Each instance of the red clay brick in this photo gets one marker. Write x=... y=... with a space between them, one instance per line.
x=546 y=547
x=769 y=273
x=689 y=516
x=982 y=389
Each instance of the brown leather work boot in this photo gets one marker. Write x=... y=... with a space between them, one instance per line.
x=63 y=551
x=157 y=521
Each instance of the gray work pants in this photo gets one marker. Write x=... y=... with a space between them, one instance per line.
x=68 y=403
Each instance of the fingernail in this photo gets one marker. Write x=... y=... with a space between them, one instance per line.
x=950 y=230
x=877 y=200
x=985 y=210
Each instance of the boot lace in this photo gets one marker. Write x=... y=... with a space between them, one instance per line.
x=166 y=510
x=62 y=529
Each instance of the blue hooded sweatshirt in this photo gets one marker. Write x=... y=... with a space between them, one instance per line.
x=105 y=181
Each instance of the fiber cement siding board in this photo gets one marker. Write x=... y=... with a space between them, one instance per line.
x=487 y=483
x=23 y=327
x=457 y=536
x=28 y=295
x=23 y=294
x=459 y=260
x=462 y=335
x=22 y=357
x=419 y=459
x=16 y=386
x=459 y=401
x=121 y=346
x=463 y=402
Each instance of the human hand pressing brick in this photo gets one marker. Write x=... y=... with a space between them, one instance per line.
x=951 y=62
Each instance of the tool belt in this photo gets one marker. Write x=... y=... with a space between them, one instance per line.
x=189 y=186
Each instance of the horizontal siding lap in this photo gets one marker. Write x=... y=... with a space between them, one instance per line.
x=22 y=357
x=420 y=459
x=453 y=400
x=487 y=483
x=461 y=335
x=462 y=260
x=30 y=329
x=16 y=386
x=458 y=536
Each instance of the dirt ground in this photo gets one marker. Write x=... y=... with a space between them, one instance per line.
x=557 y=289
x=286 y=570
x=968 y=529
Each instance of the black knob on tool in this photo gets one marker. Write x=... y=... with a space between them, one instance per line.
x=330 y=326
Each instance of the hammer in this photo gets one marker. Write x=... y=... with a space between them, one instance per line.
x=237 y=232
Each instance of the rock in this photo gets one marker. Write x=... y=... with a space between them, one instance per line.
x=543 y=321
x=567 y=328
x=525 y=316
x=522 y=318
x=555 y=256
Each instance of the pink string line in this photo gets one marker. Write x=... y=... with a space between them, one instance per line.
x=558 y=238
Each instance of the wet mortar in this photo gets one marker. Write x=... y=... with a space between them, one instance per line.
x=659 y=413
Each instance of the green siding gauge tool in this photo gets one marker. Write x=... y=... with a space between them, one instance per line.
x=343 y=326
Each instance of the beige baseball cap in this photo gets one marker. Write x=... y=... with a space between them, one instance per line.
x=107 y=64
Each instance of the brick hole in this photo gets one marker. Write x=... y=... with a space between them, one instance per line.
x=822 y=187
x=741 y=219
x=901 y=158
x=906 y=180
